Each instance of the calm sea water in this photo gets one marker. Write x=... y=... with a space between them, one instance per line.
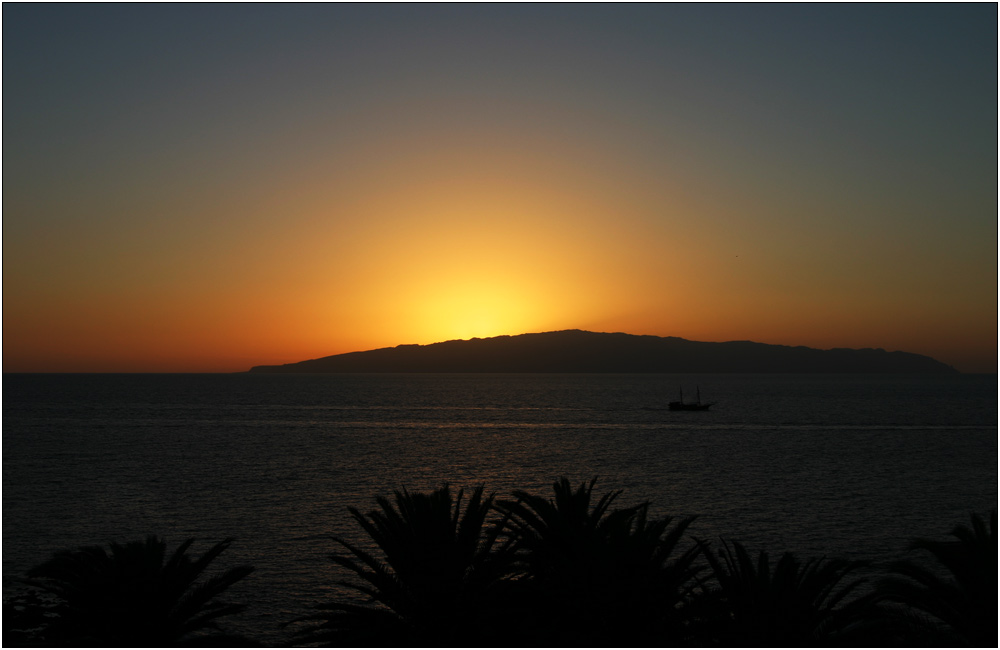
x=817 y=464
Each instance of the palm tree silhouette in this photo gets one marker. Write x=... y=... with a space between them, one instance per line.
x=794 y=604
x=592 y=576
x=439 y=570
x=956 y=602
x=135 y=595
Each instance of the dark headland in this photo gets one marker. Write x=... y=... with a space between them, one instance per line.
x=580 y=351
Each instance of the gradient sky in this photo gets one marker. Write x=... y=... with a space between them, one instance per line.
x=209 y=187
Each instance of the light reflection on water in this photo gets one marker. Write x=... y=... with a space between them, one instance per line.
x=821 y=465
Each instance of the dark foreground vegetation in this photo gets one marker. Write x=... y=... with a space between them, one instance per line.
x=567 y=570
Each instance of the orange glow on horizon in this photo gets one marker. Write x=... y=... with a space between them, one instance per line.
x=381 y=199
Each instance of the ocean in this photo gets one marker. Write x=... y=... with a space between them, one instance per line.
x=821 y=465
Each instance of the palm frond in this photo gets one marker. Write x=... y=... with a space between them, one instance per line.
x=956 y=593
x=133 y=593
x=791 y=602
x=603 y=575
x=437 y=560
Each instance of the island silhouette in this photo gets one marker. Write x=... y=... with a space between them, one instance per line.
x=578 y=351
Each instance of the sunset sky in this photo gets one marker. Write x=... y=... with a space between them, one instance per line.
x=209 y=187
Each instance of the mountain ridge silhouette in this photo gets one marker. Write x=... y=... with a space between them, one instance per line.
x=579 y=351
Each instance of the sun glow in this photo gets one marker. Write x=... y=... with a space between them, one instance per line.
x=471 y=253
x=475 y=308
x=405 y=186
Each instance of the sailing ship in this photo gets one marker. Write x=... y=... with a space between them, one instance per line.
x=681 y=405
